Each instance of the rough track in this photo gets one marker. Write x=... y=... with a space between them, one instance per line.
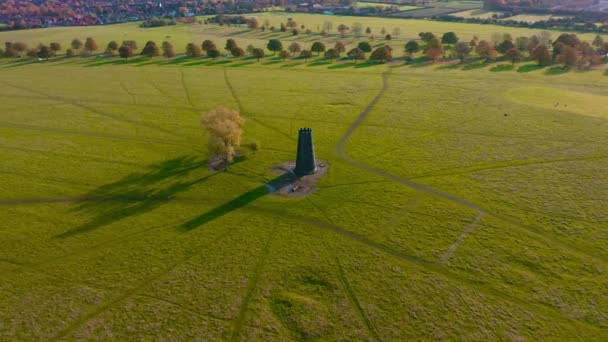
x=577 y=249
x=242 y=111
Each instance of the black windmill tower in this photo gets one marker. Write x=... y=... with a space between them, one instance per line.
x=305 y=161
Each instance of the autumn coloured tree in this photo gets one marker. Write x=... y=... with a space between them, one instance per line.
x=306 y=54
x=258 y=53
x=224 y=128
x=339 y=46
x=294 y=48
x=462 y=50
x=168 y=50
x=342 y=29
x=213 y=53
x=426 y=36
x=90 y=45
x=541 y=55
x=230 y=44
x=237 y=52
x=332 y=53
x=76 y=44
x=356 y=54
x=56 y=47
x=513 y=55
x=193 y=50
x=382 y=54
x=568 y=56
x=208 y=45
x=434 y=49
x=486 y=50
x=45 y=52
x=130 y=43
x=125 y=52
x=151 y=49
x=504 y=46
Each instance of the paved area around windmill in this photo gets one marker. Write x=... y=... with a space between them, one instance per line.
x=289 y=184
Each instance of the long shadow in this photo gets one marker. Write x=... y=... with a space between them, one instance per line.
x=118 y=61
x=178 y=60
x=474 y=66
x=529 y=67
x=238 y=33
x=137 y=193
x=367 y=64
x=502 y=67
x=320 y=62
x=239 y=201
x=557 y=70
x=21 y=62
x=341 y=66
x=236 y=65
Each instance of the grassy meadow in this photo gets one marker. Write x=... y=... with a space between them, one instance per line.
x=462 y=201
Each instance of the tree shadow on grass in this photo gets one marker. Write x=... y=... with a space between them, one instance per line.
x=320 y=62
x=20 y=62
x=451 y=66
x=502 y=67
x=557 y=70
x=239 y=201
x=177 y=61
x=529 y=67
x=117 y=61
x=238 y=33
x=137 y=193
x=341 y=66
x=475 y=66
x=367 y=64
x=291 y=65
x=272 y=62
x=236 y=65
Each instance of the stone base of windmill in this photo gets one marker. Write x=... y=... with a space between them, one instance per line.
x=288 y=184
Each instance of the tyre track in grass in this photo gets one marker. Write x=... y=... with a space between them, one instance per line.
x=93 y=134
x=239 y=322
x=242 y=110
x=116 y=300
x=575 y=248
x=346 y=287
x=452 y=249
x=186 y=90
x=60 y=102
x=96 y=111
x=126 y=90
x=417 y=262
x=72 y=155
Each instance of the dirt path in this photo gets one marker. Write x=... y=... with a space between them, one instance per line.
x=576 y=249
x=450 y=252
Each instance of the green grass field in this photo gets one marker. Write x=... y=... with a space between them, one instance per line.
x=476 y=13
x=379 y=4
x=462 y=202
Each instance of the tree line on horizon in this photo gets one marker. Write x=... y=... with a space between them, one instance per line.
x=567 y=49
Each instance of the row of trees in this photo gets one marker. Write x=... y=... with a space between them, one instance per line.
x=567 y=49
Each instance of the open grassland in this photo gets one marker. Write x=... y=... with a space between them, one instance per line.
x=461 y=202
x=476 y=13
x=380 y=4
